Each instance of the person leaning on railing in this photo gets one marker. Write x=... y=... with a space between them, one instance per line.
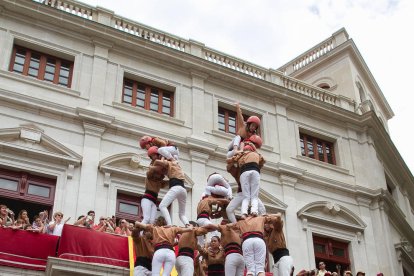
x=6 y=216
x=56 y=226
x=122 y=228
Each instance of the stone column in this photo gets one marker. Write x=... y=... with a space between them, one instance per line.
x=198 y=118
x=285 y=136
x=291 y=224
x=366 y=241
x=387 y=257
x=6 y=44
x=99 y=70
x=89 y=170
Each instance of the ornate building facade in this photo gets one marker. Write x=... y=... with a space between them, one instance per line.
x=79 y=85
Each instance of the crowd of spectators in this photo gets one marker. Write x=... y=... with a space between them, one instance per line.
x=321 y=271
x=41 y=223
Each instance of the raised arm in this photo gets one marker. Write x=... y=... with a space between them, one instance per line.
x=240 y=119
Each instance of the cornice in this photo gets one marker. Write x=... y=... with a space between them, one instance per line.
x=95 y=116
x=200 y=145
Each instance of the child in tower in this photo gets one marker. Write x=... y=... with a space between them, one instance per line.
x=166 y=148
x=217 y=185
x=250 y=162
x=244 y=131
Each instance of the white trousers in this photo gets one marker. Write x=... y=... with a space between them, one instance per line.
x=141 y=271
x=201 y=239
x=254 y=253
x=236 y=202
x=169 y=152
x=235 y=142
x=149 y=211
x=184 y=266
x=234 y=265
x=179 y=193
x=163 y=256
x=283 y=267
x=218 y=190
x=250 y=181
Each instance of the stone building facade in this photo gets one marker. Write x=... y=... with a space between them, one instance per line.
x=79 y=85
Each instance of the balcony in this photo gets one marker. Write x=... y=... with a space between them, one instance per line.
x=78 y=251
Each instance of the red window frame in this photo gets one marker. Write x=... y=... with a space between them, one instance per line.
x=24 y=181
x=320 y=149
x=329 y=246
x=44 y=62
x=227 y=115
x=130 y=200
x=141 y=95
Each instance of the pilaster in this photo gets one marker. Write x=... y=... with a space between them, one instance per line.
x=6 y=46
x=90 y=163
x=99 y=71
x=285 y=141
x=198 y=114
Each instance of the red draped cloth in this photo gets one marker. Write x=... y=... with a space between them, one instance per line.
x=25 y=249
x=87 y=245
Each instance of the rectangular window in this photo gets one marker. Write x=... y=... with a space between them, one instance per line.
x=331 y=252
x=148 y=97
x=128 y=207
x=316 y=148
x=27 y=187
x=41 y=66
x=227 y=120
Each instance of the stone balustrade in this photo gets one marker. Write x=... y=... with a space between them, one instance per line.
x=72 y=7
x=198 y=49
x=309 y=90
x=149 y=33
x=235 y=64
x=315 y=53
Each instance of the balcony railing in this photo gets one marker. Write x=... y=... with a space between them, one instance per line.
x=279 y=77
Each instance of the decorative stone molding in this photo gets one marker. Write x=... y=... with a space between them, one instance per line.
x=332 y=214
x=288 y=180
x=201 y=146
x=332 y=208
x=94 y=116
x=199 y=156
x=41 y=145
x=305 y=224
x=93 y=129
x=70 y=171
x=107 y=179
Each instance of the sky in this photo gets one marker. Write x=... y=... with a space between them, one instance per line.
x=271 y=33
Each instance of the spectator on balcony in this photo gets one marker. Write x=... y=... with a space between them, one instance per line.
x=28 y=227
x=105 y=225
x=38 y=224
x=18 y=224
x=24 y=217
x=81 y=221
x=6 y=216
x=55 y=227
x=44 y=216
x=90 y=220
x=122 y=228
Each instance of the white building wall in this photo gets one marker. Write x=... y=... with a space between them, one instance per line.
x=90 y=120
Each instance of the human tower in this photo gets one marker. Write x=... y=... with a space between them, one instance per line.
x=232 y=246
